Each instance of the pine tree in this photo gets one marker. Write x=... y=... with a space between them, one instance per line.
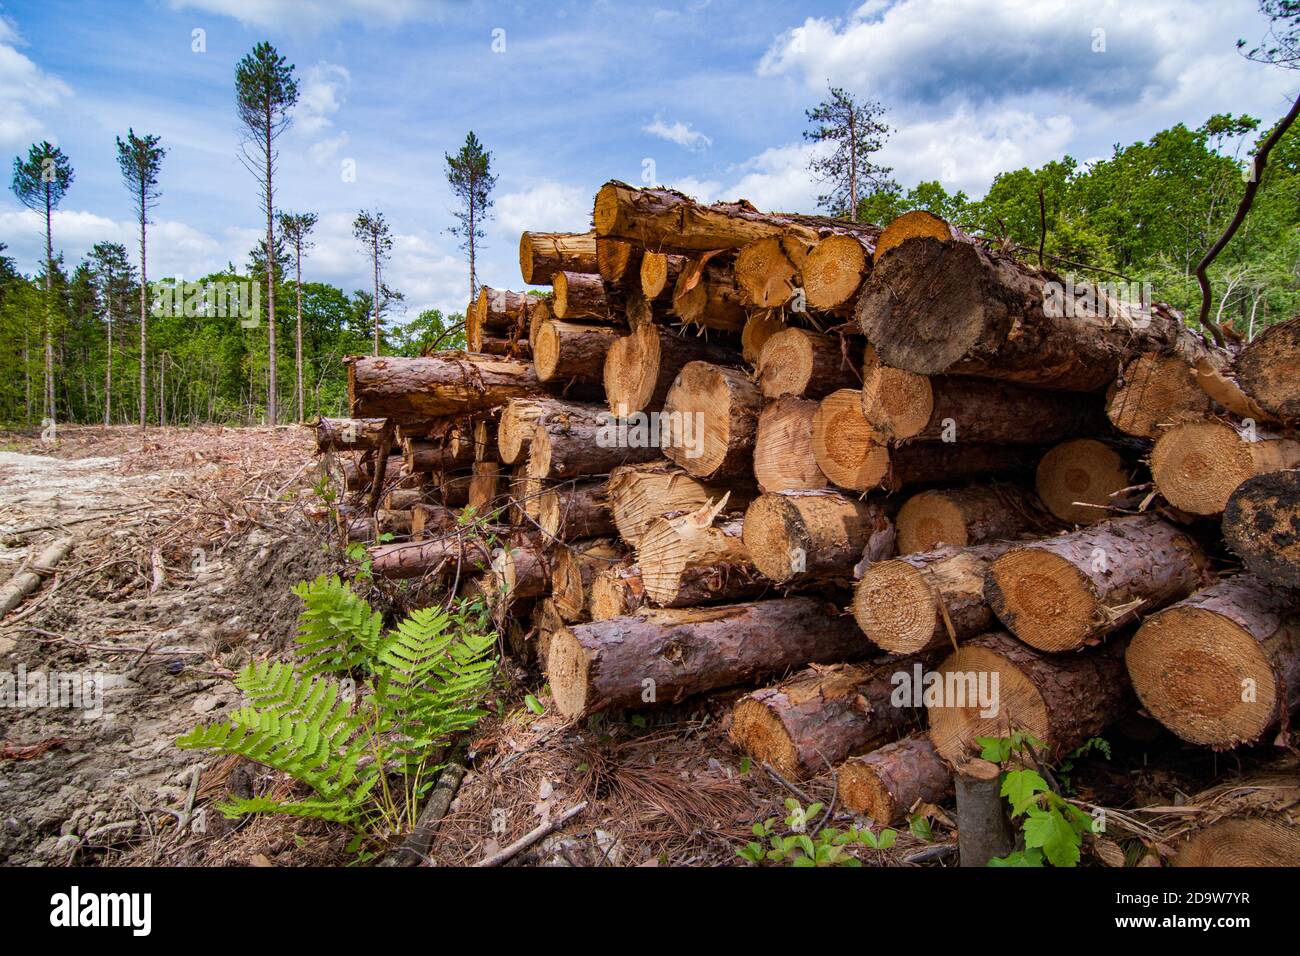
x=858 y=133
x=112 y=272
x=469 y=173
x=296 y=229
x=372 y=230
x=140 y=160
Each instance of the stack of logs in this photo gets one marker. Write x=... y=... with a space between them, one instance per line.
x=936 y=492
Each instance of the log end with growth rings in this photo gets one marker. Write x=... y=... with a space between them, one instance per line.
x=1042 y=598
x=896 y=607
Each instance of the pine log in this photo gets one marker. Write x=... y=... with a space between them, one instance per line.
x=574 y=568
x=992 y=682
x=641 y=367
x=918 y=222
x=497 y=314
x=927 y=600
x=659 y=272
x=510 y=348
x=619 y=261
x=579 y=511
x=428 y=520
x=765 y=275
x=355 y=526
x=835 y=269
x=783 y=448
x=845 y=447
x=902 y=405
x=484 y=436
x=691 y=552
x=548 y=624
x=935 y=307
x=425 y=455
x=539 y=311
x=1221 y=667
x=572 y=351
x=758 y=329
x=27 y=579
x=716 y=414
x=396 y=523
x=796 y=361
x=660 y=656
x=1262 y=526
x=964 y=516
x=888 y=782
x=811 y=721
x=451 y=383
x=347 y=434
x=1243 y=841
x=1268 y=369
x=706 y=295
x=1061 y=593
x=616 y=591
x=815 y=535
x=543 y=254
x=521 y=572
x=640 y=493
x=1198 y=465
x=519 y=420
x=354 y=476
x=485 y=486
x=1153 y=392
x=1076 y=480
x=439 y=555
x=580 y=295
x=403 y=499
x=450 y=487
x=581 y=442
x=639 y=311
x=984 y=832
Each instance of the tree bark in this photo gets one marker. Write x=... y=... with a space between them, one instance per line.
x=570 y=351
x=1062 y=593
x=973 y=515
x=659 y=656
x=577 y=444
x=576 y=512
x=796 y=361
x=543 y=254
x=418 y=389
x=814 y=535
x=581 y=295
x=440 y=555
x=888 y=782
x=347 y=434
x=1221 y=667
x=983 y=831
x=813 y=720
x=1262 y=526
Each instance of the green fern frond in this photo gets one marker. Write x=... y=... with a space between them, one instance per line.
x=337 y=630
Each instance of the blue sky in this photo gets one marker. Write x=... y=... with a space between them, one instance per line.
x=708 y=95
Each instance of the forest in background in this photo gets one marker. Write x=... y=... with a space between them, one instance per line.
x=1146 y=214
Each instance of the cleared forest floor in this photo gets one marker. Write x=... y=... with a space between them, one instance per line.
x=186 y=544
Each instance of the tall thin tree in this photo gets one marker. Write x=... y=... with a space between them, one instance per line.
x=112 y=274
x=296 y=229
x=40 y=183
x=373 y=232
x=265 y=92
x=140 y=160
x=856 y=129
x=469 y=174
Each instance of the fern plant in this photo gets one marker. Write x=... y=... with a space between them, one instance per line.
x=367 y=755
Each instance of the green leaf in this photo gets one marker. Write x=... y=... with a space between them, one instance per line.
x=1022 y=787
x=533 y=704
x=920 y=827
x=1050 y=831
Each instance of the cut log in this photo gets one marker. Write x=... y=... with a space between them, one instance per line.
x=403 y=499
x=640 y=493
x=1076 y=479
x=706 y=295
x=580 y=295
x=574 y=568
x=426 y=455
x=641 y=367
x=1061 y=593
x=348 y=434
x=28 y=579
x=835 y=269
x=543 y=254
x=484 y=486
x=497 y=314
x=846 y=449
x=451 y=488
x=573 y=512
x=692 y=553
x=799 y=362
x=902 y=405
x=810 y=722
x=758 y=329
x=918 y=222
x=965 y=516
x=539 y=310
x=639 y=311
x=660 y=656
x=783 y=449
x=659 y=272
x=548 y=625
x=525 y=492
x=616 y=591
x=485 y=436
x=451 y=383
x=571 y=351
x=888 y=782
x=582 y=441
x=1221 y=667
x=428 y=520
x=396 y=523
x=1154 y=392
x=1243 y=841
x=521 y=572
x=715 y=413
x=1262 y=526
x=619 y=262
x=815 y=535
x=440 y=555
x=1268 y=369
x=984 y=832
x=992 y=682
x=765 y=274
x=956 y=307
x=515 y=430
x=924 y=601
x=1198 y=465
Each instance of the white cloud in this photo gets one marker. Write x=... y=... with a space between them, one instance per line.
x=548 y=206
x=25 y=91
x=314 y=14
x=322 y=92
x=679 y=133
x=325 y=150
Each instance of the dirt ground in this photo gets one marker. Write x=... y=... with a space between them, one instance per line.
x=186 y=542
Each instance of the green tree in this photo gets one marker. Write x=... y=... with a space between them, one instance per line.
x=265 y=93
x=857 y=131
x=469 y=173
x=113 y=275
x=40 y=183
x=296 y=229
x=375 y=236
x=139 y=158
